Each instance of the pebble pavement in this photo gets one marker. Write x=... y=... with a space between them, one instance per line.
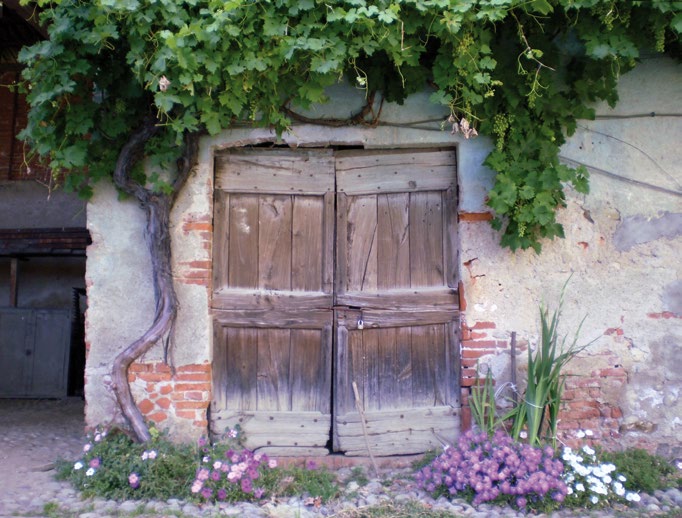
x=34 y=433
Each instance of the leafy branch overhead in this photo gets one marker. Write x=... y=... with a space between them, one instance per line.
x=521 y=71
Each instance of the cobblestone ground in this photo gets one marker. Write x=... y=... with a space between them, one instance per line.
x=35 y=433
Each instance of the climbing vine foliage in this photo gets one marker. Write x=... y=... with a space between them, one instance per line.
x=519 y=71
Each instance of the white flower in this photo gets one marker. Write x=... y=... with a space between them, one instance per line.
x=622 y=478
x=569 y=490
x=90 y=472
x=152 y=454
x=78 y=465
x=618 y=488
x=523 y=435
x=632 y=497
x=217 y=464
x=145 y=455
x=580 y=434
x=87 y=447
x=588 y=450
x=594 y=499
x=579 y=487
x=206 y=459
x=607 y=479
x=589 y=433
x=98 y=437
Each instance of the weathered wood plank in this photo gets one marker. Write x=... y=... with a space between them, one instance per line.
x=386 y=318
x=314 y=319
x=361 y=261
x=219 y=369
x=413 y=298
x=393 y=250
x=424 y=346
x=403 y=393
x=397 y=432
x=270 y=300
x=357 y=369
x=290 y=451
x=275 y=171
x=274 y=242
x=309 y=390
x=242 y=350
x=373 y=172
x=243 y=242
x=450 y=240
x=328 y=237
x=276 y=429
x=387 y=369
x=426 y=239
x=274 y=357
x=453 y=373
x=341 y=272
x=341 y=376
x=307 y=243
x=221 y=239
x=370 y=376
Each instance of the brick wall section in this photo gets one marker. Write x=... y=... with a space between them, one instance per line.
x=160 y=394
x=197 y=271
x=586 y=405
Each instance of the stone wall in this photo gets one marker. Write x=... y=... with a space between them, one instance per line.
x=621 y=251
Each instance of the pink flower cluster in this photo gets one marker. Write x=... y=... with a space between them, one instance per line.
x=232 y=478
x=495 y=467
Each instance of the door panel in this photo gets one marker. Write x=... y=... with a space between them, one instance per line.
x=405 y=367
x=387 y=218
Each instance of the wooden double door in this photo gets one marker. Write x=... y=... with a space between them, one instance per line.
x=334 y=298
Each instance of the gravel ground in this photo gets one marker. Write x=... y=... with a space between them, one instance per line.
x=34 y=433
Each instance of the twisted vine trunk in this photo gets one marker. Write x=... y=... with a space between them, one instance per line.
x=157 y=207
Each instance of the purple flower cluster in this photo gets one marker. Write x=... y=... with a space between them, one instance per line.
x=495 y=468
x=231 y=478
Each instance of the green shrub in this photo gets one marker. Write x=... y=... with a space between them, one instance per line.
x=643 y=471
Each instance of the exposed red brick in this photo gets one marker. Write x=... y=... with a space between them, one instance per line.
x=465 y=418
x=613 y=371
x=193 y=376
x=164 y=402
x=145 y=406
x=475 y=216
x=203 y=423
x=189 y=226
x=476 y=353
x=162 y=367
x=206 y=265
x=476 y=344
x=196 y=274
x=154 y=376
x=184 y=405
x=181 y=387
x=484 y=325
x=614 y=331
x=616 y=413
x=140 y=367
x=166 y=389
x=477 y=336
x=186 y=414
x=195 y=396
x=664 y=314
x=466 y=333
x=195 y=367
x=158 y=417
x=584 y=244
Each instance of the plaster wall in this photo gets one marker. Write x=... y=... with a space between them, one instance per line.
x=622 y=251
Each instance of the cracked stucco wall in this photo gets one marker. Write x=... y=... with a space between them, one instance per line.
x=622 y=251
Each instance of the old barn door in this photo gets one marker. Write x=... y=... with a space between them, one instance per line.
x=387 y=218
x=273 y=297
x=395 y=279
